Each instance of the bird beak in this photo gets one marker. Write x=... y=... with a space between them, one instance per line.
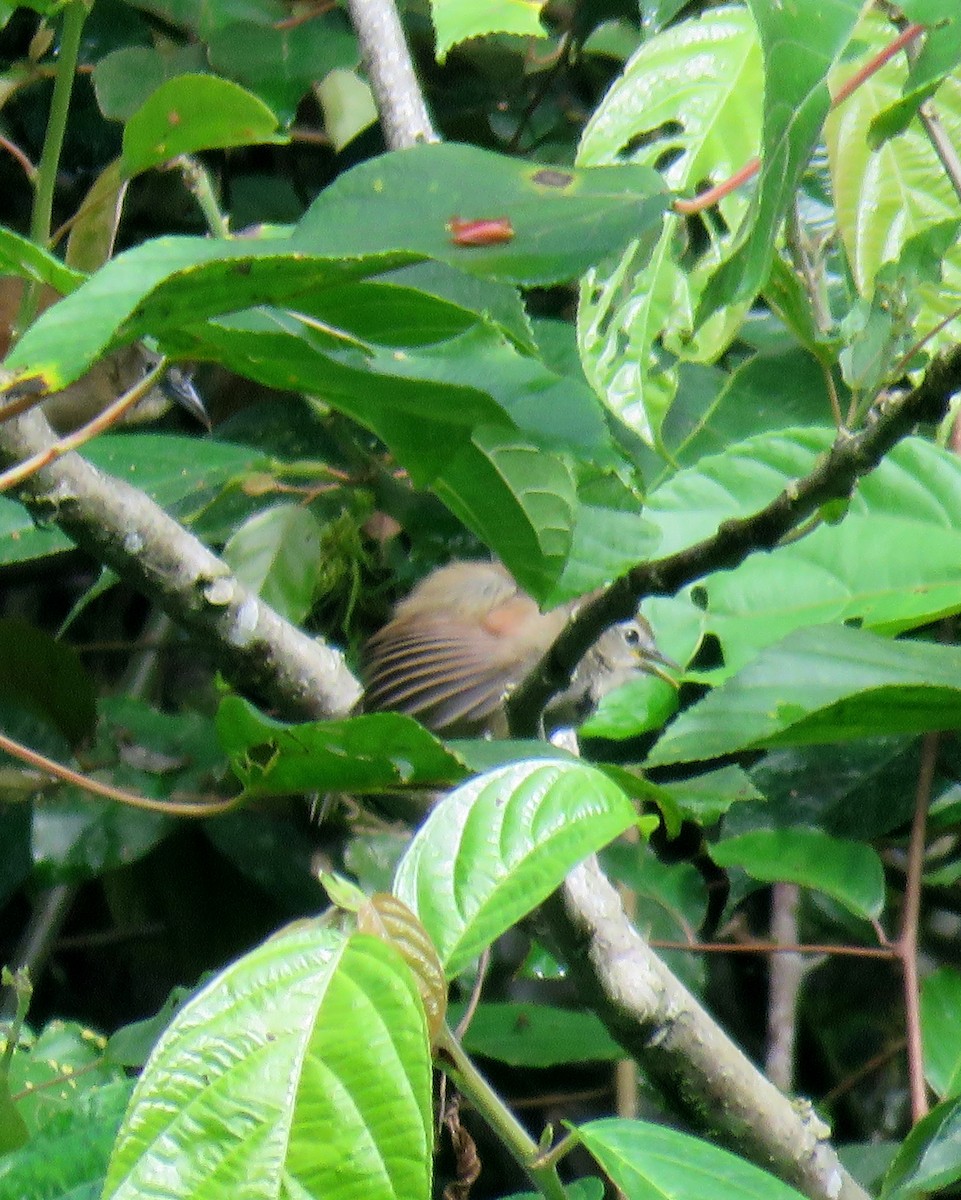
x=656 y=663
x=178 y=387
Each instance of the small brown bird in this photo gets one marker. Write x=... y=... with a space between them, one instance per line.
x=467 y=635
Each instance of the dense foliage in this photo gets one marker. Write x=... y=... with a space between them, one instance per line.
x=541 y=335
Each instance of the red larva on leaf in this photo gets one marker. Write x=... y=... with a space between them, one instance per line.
x=489 y=231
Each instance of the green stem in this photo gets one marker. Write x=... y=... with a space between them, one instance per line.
x=521 y=1146
x=199 y=184
x=74 y=17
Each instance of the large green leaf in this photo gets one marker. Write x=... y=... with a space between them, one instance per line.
x=377 y=752
x=651 y=1162
x=160 y=285
x=849 y=872
x=821 y=685
x=563 y=219
x=510 y=485
x=685 y=98
x=492 y=850
x=304 y=1067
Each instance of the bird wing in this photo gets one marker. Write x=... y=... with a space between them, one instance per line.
x=442 y=670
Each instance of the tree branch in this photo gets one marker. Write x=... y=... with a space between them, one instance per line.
x=116 y=523
x=834 y=477
x=400 y=103
x=682 y=1049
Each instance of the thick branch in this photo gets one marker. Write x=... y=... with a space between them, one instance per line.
x=833 y=478
x=682 y=1049
x=120 y=526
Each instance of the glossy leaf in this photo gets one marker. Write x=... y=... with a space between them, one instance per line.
x=497 y=846
x=305 y=1061
x=191 y=113
x=650 y=1162
x=849 y=872
x=821 y=685
x=941 y=1031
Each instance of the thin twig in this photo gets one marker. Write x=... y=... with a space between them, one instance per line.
x=907 y=943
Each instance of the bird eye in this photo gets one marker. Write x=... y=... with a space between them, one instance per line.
x=632 y=635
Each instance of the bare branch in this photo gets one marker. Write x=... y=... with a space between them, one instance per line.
x=403 y=113
x=255 y=648
x=682 y=1049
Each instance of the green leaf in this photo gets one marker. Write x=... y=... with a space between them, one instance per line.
x=124 y=79
x=20 y=256
x=930 y=1156
x=457 y=20
x=651 y=1162
x=277 y=554
x=884 y=197
x=939 y=55
x=798 y=54
x=68 y=1156
x=940 y=1030
x=890 y=564
x=682 y=99
x=279 y=64
x=305 y=1062
x=372 y=753
x=517 y=495
x=492 y=850
x=47 y=678
x=191 y=113
x=563 y=220
x=705 y=798
x=536 y=1035
x=849 y=872
x=821 y=685
x=155 y=287
x=348 y=105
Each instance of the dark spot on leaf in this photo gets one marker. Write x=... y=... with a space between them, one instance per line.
x=554 y=179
